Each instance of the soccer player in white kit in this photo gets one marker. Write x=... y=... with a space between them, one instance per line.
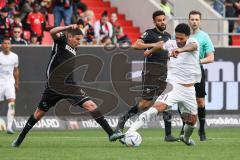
x=9 y=80
x=183 y=72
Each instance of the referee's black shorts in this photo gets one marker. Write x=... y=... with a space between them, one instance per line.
x=200 y=87
x=153 y=81
x=50 y=98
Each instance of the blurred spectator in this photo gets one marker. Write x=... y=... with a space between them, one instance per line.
x=122 y=38
x=16 y=38
x=218 y=5
x=5 y=23
x=16 y=22
x=34 y=39
x=89 y=19
x=13 y=8
x=78 y=10
x=25 y=10
x=103 y=28
x=62 y=10
x=47 y=5
x=36 y=21
x=115 y=24
x=106 y=41
x=237 y=7
x=230 y=12
x=166 y=7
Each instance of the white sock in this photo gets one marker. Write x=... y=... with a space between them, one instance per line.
x=144 y=117
x=188 y=130
x=10 y=115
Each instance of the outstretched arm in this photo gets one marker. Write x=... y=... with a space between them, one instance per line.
x=187 y=48
x=158 y=47
x=139 y=44
x=55 y=31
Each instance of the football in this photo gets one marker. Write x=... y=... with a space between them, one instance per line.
x=132 y=139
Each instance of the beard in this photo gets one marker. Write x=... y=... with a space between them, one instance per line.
x=161 y=28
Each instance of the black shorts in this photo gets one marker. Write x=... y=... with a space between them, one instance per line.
x=153 y=81
x=200 y=87
x=50 y=98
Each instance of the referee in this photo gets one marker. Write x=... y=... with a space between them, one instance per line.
x=64 y=49
x=206 y=53
x=154 y=72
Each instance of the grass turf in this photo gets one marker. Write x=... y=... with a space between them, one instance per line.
x=224 y=144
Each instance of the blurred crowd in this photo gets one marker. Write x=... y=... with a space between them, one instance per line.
x=18 y=17
x=232 y=10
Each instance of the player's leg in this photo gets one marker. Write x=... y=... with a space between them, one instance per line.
x=201 y=117
x=144 y=103
x=32 y=120
x=200 y=95
x=49 y=99
x=190 y=121
x=167 y=98
x=10 y=115
x=10 y=95
x=99 y=118
x=148 y=115
x=188 y=108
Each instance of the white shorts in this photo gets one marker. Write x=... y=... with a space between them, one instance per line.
x=7 y=91
x=185 y=97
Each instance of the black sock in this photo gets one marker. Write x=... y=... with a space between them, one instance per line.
x=30 y=123
x=201 y=117
x=131 y=112
x=182 y=130
x=167 y=116
x=99 y=118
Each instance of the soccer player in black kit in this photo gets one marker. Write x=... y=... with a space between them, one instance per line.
x=154 y=73
x=64 y=49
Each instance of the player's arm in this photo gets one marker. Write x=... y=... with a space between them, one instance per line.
x=209 y=49
x=187 y=48
x=139 y=44
x=208 y=59
x=16 y=77
x=157 y=47
x=55 y=32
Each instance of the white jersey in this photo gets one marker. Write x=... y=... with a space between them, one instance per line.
x=7 y=65
x=184 y=69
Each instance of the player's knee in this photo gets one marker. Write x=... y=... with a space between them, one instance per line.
x=89 y=105
x=144 y=104
x=189 y=119
x=201 y=102
x=38 y=114
x=160 y=106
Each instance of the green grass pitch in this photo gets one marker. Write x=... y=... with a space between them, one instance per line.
x=93 y=145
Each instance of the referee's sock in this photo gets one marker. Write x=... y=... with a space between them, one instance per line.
x=122 y=120
x=99 y=118
x=201 y=117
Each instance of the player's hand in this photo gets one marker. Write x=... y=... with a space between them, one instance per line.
x=73 y=26
x=175 y=52
x=147 y=53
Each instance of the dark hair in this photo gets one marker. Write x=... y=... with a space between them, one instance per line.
x=104 y=14
x=194 y=12
x=157 y=13
x=183 y=28
x=6 y=38
x=75 y=31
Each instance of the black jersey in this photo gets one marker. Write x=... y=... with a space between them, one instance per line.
x=153 y=36
x=61 y=52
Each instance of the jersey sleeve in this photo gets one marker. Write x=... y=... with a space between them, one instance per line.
x=145 y=37
x=61 y=40
x=208 y=45
x=170 y=45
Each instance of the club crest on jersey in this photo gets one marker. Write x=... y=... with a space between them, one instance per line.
x=67 y=47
